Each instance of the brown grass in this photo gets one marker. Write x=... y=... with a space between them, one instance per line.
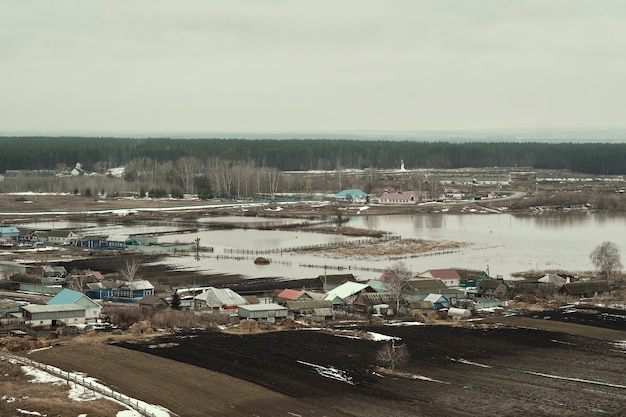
x=45 y=398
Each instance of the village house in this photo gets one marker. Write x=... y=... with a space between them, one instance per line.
x=450 y=277
x=470 y=277
x=401 y=197
x=346 y=293
x=219 y=299
x=375 y=302
x=420 y=288
x=352 y=196
x=585 y=288
x=126 y=292
x=59 y=237
x=291 y=295
x=153 y=302
x=67 y=296
x=492 y=288
x=329 y=282
x=100 y=242
x=9 y=231
x=437 y=301
x=41 y=319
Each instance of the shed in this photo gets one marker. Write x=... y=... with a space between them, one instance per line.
x=263 y=312
x=365 y=302
x=586 y=288
x=52 y=315
x=153 y=302
x=318 y=310
x=459 y=313
x=437 y=300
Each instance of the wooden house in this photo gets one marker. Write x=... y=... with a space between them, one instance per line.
x=585 y=288
x=492 y=288
x=367 y=302
x=329 y=282
x=313 y=310
x=153 y=302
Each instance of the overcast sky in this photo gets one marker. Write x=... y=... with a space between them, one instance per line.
x=281 y=66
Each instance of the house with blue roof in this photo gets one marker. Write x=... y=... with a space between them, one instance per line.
x=9 y=231
x=67 y=296
x=352 y=195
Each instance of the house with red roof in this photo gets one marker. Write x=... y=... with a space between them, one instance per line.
x=291 y=295
x=401 y=197
x=449 y=276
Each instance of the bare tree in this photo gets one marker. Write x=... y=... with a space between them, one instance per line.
x=391 y=355
x=273 y=179
x=130 y=269
x=186 y=169
x=396 y=281
x=606 y=258
x=76 y=280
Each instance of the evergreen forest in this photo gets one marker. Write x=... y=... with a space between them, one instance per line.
x=97 y=154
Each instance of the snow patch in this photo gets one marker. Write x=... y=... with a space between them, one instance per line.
x=330 y=372
x=425 y=378
x=79 y=393
x=377 y=337
x=586 y=381
x=466 y=362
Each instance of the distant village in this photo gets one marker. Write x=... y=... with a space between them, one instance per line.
x=39 y=299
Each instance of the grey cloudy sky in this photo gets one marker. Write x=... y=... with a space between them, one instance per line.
x=278 y=66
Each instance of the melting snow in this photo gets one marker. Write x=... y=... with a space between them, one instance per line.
x=561 y=342
x=621 y=344
x=377 y=337
x=587 y=381
x=80 y=393
x=425 y=378
x=330 y=372
x=461 y=360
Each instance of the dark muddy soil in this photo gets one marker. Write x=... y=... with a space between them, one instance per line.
x=452 y=371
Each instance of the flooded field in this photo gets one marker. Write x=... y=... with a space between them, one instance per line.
x=502 y=243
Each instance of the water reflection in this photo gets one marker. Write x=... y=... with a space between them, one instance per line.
x=503 y=242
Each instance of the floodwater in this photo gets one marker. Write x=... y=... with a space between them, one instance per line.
x=501 y=243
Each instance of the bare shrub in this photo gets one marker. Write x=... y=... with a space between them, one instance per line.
x=392 y=356
x=125 y=317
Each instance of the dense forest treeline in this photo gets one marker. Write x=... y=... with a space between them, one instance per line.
x=99 y=154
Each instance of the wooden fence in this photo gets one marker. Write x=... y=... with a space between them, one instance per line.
x=134 y=404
